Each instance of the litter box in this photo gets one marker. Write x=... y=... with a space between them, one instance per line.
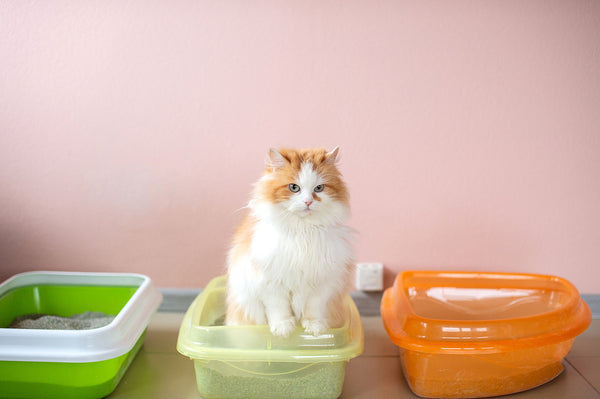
x=36 y=363
x=468 y=335
x=250 y=362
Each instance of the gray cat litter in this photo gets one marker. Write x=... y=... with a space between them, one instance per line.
x=80 y=321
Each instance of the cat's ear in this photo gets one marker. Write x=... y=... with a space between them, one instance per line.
x=275 y=160
x=332 y=155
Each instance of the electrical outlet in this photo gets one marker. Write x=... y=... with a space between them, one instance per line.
x=369 y=276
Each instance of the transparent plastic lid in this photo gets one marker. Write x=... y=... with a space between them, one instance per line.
x=460 y=312
x=203 y=336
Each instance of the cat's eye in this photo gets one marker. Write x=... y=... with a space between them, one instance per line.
x=294 y=188
x=319 y=188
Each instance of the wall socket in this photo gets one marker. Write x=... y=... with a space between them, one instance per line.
x=369 y=276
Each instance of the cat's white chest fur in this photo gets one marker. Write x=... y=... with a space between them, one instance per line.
x=300 y=255
x=290 y=273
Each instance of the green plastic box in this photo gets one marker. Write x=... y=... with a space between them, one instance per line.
x=250 y=362
x=37 y=363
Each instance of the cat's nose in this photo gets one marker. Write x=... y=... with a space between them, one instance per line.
x=308 y=202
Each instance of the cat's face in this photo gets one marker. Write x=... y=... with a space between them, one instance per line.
x=305 y=184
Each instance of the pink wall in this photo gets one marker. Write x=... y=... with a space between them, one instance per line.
x=131 y=131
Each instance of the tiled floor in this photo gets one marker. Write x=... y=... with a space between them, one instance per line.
x=160 y=372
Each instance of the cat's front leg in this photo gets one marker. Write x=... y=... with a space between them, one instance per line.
x=314 y=316
x=315 y=327
x=279 y=315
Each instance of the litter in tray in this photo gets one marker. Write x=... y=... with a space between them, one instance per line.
x=79 y=321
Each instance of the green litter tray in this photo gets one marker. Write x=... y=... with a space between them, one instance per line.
x=250 y=362
x=36 y=363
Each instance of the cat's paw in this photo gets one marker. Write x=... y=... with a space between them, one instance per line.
x=315 y=326
x=283 y=328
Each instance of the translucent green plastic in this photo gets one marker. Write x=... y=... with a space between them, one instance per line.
x=250 y=362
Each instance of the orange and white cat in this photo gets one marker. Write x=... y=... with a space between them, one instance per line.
x=291 y=256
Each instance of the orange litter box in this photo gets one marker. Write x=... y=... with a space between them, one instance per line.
x=471 y=334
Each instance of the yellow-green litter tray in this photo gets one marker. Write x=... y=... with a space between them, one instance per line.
x=250 y=362
x=36 y=363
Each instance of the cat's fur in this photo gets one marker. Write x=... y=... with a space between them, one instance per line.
x=291 y=256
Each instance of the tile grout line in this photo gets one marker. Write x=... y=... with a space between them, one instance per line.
x=378 y=356
x=582 y=376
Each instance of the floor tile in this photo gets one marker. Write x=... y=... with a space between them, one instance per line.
x=375 y=377
x=161 y=335
x=570 y=384
x=589 y=368
x=377 y=342
x=587 y=344
x=158 y=375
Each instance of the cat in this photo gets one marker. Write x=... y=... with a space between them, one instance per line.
x=291 y=257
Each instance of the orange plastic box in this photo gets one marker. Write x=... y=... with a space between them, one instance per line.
x=469 y=335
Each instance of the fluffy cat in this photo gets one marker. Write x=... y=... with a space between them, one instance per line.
x=291 y=256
